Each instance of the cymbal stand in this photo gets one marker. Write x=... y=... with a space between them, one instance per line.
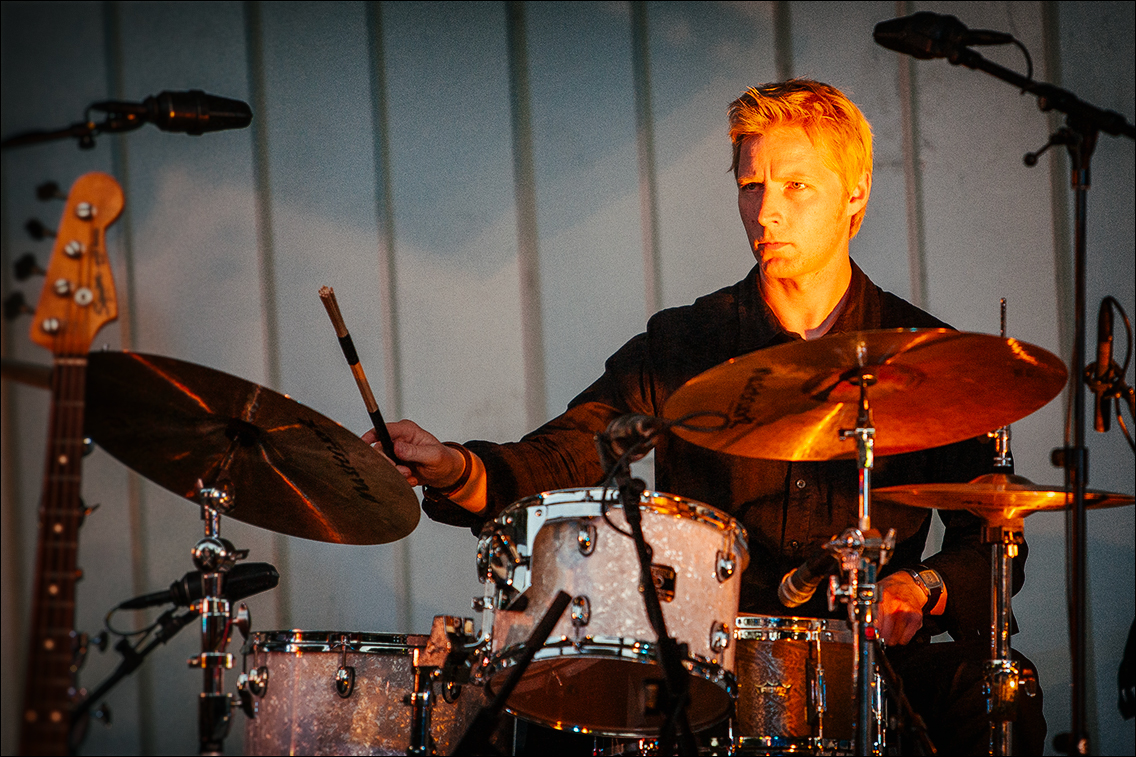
x=862 y=552
x=213 y=556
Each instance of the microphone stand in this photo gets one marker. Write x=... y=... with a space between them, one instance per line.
x=677 y=696
x=1083 y=124
x=132 y=656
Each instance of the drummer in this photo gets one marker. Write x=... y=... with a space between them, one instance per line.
x=802 y=160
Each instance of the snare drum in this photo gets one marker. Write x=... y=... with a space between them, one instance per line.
x=330 y=692
x=795 y=690
x=598 y=670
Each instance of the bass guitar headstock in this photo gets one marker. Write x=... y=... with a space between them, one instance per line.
x=78 y=296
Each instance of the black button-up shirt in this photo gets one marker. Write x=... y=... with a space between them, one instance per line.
x=788 y=508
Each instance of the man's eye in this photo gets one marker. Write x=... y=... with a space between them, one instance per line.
x=749 y=186
x=798 y=185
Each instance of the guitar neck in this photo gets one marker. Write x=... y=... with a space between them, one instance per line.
x=50 y=685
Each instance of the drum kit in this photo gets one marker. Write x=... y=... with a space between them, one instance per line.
x=782 y=684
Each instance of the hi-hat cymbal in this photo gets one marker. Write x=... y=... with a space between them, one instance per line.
x=997 y=497
x=931 y=387
x=291 y=470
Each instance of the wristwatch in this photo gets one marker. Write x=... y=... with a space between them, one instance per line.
x=929 y=580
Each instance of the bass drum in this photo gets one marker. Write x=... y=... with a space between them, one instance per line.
x=304 y=705
x=598 y=671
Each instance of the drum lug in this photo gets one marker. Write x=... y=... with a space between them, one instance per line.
x=664 y=578
x=586 y=538
x=258 y=681
x=581 y=611
x=345 y=681
x=725 y=566
x=719 y=636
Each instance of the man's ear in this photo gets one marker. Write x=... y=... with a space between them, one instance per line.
x=858 y=198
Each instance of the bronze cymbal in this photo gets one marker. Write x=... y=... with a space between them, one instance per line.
x=998 y=497
x=931 y=387
x=291 y=470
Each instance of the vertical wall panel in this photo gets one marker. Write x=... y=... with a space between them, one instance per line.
x=456 y=253
x=703 y=56
x=323 y=188
x=587 y=191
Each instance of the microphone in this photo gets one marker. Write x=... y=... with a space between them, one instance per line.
x=927 y=35
x=239 y=582
x=633 y=430
x=799 y=584
x=1100 y=374
x=192 y=112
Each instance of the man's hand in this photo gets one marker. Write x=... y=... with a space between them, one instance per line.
x=900 y=608
x=426 y=461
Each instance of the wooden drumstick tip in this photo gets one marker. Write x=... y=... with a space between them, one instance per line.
x=327 y=294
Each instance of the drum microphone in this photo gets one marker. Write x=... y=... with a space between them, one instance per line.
x=633 y=431
x=239 y=582
x=192 y=112
x=927 y=35
x=799 y=584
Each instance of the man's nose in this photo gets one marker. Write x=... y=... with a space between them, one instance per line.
x=769 y=210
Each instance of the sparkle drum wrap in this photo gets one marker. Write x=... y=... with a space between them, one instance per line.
x=598 y=671
x=794 y=685
x=301 y=711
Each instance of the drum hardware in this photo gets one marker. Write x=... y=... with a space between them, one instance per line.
x=445 y=660
x=214 y=556
x=587 y=538
x=344 y=674
x=476 y=739
x=581 y=611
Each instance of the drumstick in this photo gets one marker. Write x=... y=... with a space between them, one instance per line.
x=328 y=296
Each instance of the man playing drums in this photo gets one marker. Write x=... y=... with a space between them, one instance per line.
x=802 y=158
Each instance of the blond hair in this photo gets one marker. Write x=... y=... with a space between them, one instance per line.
x=833 y=123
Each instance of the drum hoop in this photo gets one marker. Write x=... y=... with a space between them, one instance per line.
x=774 y=628
x=618 y=647
x=293 y=641
x=660 y=502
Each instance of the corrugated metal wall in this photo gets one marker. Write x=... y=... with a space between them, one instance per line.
x=500 y=194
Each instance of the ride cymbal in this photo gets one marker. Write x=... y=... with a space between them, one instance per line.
x=927 y=388
x=291 y=470
x=997 y=497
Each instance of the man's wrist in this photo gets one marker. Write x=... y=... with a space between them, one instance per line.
x=929 y=580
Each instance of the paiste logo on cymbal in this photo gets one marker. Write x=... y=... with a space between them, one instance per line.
x=342 y=461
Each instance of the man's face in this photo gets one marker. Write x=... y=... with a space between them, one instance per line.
x=794 y=207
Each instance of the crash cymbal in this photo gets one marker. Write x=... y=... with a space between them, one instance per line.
x=995 y=496
x=931 y=387
x=291 y=470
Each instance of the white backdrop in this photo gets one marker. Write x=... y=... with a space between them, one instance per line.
x=228 y=237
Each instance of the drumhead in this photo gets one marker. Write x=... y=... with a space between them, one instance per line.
x=333 y=641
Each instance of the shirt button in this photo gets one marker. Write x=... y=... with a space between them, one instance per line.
x=795 y=545
x=800 y=483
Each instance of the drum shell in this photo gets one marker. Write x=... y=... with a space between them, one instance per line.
x=794 y=685
x=590 y=676
x=302 y=713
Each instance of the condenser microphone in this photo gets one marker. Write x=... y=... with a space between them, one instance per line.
x=192 y=112
x=799 y=584
x=927 y=35
x=239 y=582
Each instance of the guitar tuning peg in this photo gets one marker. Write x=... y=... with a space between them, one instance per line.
x=26 y=267
x=16 y=306
x=37 y=230
x=49 y=190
